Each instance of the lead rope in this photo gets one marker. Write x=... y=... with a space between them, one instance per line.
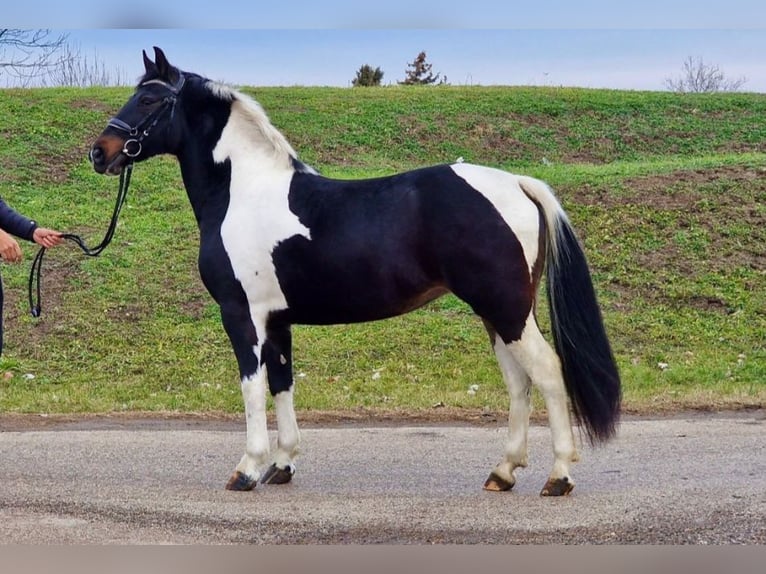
x=35 y=273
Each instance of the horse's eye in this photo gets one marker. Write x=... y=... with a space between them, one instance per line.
x=147 y=100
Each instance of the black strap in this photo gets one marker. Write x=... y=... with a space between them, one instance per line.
x=35 y=273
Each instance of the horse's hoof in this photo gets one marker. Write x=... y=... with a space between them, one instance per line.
x=557 y=487
x=240 y=481
x=496 y=483
x=276 y=475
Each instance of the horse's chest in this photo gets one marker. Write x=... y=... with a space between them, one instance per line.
x=255 y=223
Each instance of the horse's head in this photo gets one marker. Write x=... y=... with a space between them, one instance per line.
x=144 y=127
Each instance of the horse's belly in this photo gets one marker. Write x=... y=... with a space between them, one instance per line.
x=324 y=302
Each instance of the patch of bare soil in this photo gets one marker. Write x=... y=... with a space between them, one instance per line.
x=54 y=166
x=361 y=417
x=675 y=190
x=92 y=105
x=6 y=167
x=149 y=420
x=689 y=195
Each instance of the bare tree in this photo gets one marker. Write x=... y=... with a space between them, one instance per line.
x=26 y=55
x=76 y=69
x=697 y=77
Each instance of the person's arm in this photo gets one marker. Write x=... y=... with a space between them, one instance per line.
x=15 y=223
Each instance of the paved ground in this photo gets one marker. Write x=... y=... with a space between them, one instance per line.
x=696 y=479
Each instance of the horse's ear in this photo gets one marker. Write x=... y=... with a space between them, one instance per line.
x=148 y=64
x=166 y=71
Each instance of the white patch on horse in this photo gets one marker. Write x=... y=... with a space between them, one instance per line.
x=543 y=366
x=288 y=435
x=249 y=133
x=257 y=448
x=502 y=189
x=258 y=217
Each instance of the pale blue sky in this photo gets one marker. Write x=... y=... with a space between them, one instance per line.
x=388 y=14
x=590 y=43
x=625 y=59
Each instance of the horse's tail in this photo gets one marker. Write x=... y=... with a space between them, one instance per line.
x=590 y=373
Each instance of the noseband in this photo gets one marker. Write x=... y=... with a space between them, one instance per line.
x=132 y=146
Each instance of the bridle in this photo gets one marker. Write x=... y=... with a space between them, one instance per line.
x=131 y=148
x=133 y=145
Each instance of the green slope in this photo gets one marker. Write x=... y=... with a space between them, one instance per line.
x=667 y=192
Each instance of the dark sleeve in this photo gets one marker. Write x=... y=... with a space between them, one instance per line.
x=15 y=223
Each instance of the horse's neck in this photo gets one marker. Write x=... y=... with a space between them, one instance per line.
x=205 y=181
x=248 y=157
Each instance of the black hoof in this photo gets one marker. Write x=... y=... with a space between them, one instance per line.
x=276 y=475
x=557 y=487
x=497 y=484
x=240 y=481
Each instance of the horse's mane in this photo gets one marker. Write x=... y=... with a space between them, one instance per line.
x=251 y=112
x=254 y=117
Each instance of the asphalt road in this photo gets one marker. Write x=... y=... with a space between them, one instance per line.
x=696 y=479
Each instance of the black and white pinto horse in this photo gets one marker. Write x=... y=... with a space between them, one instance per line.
x=282 y=245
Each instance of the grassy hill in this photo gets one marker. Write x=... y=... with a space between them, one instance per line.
x=667 y=192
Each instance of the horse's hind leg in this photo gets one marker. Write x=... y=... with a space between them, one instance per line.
x=542 y=365
x=518 y=383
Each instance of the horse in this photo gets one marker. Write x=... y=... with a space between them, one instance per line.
x=281 y=245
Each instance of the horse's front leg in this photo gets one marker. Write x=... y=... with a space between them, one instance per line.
x=277 y=358
x=256 y=456
x=246 y=336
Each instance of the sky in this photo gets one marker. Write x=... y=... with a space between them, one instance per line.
x=623 y=59
x=587 y=43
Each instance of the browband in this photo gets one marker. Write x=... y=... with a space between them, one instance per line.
x=175 y=88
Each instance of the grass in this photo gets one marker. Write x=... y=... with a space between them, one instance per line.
x=667 y=193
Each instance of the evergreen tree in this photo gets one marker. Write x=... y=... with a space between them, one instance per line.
x=366 y=76
x=419 y=72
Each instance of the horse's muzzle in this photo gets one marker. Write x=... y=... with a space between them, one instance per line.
x=105 y=162
x=97 y=157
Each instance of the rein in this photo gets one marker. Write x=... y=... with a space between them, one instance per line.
x=35 y=273
x=131 y=149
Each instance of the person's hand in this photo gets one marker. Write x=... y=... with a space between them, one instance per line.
x=9 y=248
x=47 y=237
